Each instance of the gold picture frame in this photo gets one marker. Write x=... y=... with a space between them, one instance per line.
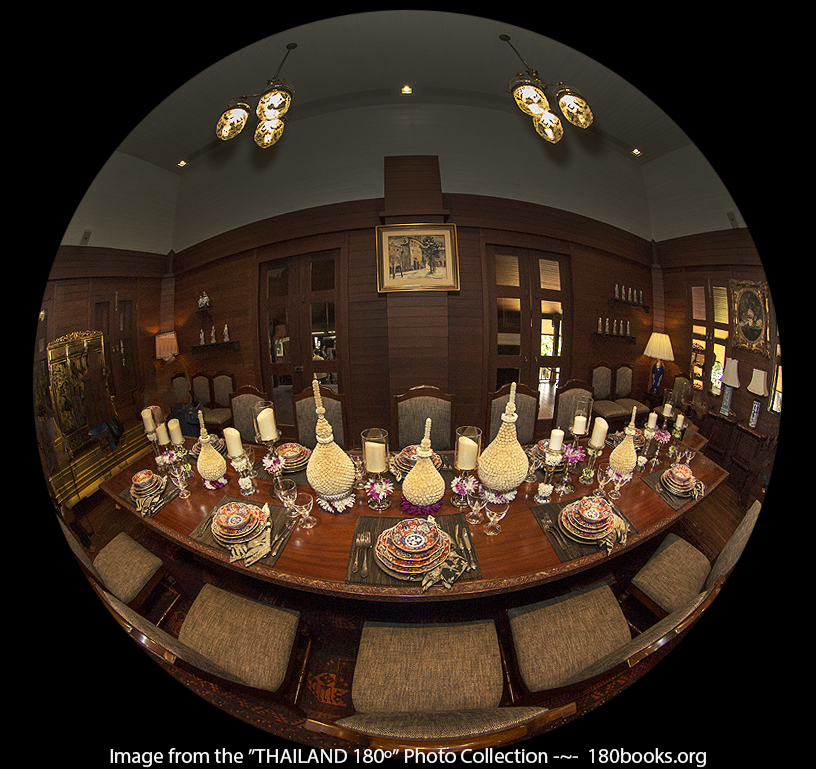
x=417 y=257
x=749 y=316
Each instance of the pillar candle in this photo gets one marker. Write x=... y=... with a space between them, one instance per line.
x=579 y=425
x=161 y=433
x=599 y=432
x=147 y=418
x=556 y=439
x=466 y=456
x=267 y=429
x=653 y=420
x=667 y=410
x=375 y=457
x=175 y=431
x=678 y=424
x=233 y=438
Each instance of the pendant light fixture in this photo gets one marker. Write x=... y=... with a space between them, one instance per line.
x=273 y=104
x=529 y=93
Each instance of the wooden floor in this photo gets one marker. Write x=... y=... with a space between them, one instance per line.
x=707 y=526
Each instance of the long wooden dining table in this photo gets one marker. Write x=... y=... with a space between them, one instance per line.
x=317 y=559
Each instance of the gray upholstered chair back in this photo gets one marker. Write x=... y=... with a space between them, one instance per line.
x=602 y=383
x=623 y=382
x=181 y=389
x=306 y=420
x=526 y=408
x=735 y=546
x=241 y=404
x=222 y=387
x=411 y=415
x=566 y=403
x=681 y=392
x=201 y=390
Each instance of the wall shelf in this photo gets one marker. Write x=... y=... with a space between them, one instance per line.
x=217 y=345
x=630 y=339
x=613 y=302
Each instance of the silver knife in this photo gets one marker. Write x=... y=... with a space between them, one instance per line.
x=471 y=555
x=289 y=526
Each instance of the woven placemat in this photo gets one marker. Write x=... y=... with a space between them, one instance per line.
x=169 y=493
x=653 y=482
x=377 y=524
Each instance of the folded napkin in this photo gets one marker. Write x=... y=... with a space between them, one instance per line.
x=447 y=572
x=149 y=506
x=256 y=548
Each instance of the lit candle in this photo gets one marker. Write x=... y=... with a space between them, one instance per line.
x=653 y=420
x=579 y=425
x=267 y=429
x=175 y=431
x=556 y=439
x=161 y=433
x=466 y=456
x=147 y=418
x=233 y=438
x=599 y=432
x=375 y=457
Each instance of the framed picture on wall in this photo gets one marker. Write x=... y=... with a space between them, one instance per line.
x=417 y=257
x=749 y=318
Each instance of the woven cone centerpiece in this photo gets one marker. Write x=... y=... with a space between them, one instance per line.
x=211 y=466
x=330 y=471
x=423 y=487
x=624 y=456
x=503 y=465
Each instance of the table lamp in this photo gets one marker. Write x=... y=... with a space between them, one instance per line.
x=758 y=387
x=658 y=347
x=730 y=380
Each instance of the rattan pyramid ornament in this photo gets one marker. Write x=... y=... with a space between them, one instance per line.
x=423 y=487
x=503 y=465
x=624 y=456
x=330 y=470
x=211 y=466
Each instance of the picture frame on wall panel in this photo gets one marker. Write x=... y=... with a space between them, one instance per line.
x=750 y=316
x=417 y=257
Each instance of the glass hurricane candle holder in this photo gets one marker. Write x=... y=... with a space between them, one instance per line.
x=375 y=461
x=466 y=450
x=266 y=428
x=243 y=464
x=588 y=473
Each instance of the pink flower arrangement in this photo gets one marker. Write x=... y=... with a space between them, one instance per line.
x=574 y=453
x=379 y=489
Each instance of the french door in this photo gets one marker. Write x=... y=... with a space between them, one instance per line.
x=298 y=326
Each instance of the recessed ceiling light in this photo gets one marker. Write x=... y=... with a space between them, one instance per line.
x=182 y=163
x=636 y=151
x=406 y=89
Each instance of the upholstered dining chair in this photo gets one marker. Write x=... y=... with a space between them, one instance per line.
x=566 y=398
x=182 y=389
x=123 y=567
x=677 y=571
x=623 y=393
x=527 y=403
x=432 y=685
x=604 y=403
x=242 y=401
x=228 y=639
x=303 y=404
x=410 y=409
x=212 y=394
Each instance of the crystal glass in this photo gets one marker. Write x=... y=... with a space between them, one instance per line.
x=179 y=478
x=495 y=512
x=605 y=473
x=619 y=480
x=302 y=506
x=476 y=503
x=286 y=490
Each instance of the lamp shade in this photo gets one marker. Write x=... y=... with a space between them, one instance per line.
x=232 y=121
x=275 y=101
x=730 y=375
x=528 y=91
x=166 y=345
x=573 y=106
x=659 y=346
x=268 y=132
x=758 y=384
x=548 y=125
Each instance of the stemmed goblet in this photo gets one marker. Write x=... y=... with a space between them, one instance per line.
x=495 y=512
x=302 y=506
x=605 y=474
x=286 y=491
x=619 y=480
x=179 y=478
x=476 y=501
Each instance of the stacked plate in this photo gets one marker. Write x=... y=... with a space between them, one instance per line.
x=540 y=452
x=412 y=548
x=295 y=457
x=588 y=519
x=235 y=523
x=145 y=484
x=679 y=480
x=219 y=444
x=406 y=459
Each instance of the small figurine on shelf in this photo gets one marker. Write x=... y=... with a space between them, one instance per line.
x=203 y=300
x=226 y=333
x=201 y=336
x=212 y=335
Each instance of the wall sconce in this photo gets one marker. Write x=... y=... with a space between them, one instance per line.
x=273 y=104
x=758 y=387
x=166 y=345
x=730 y=380
x=529 y=92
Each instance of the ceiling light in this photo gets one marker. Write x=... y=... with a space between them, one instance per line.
x=406 y=89
x=181 y=163
x=273 y=103
x=636 y=151
x=529 y=93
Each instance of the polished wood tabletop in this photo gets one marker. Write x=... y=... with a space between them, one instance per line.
x=317 y=559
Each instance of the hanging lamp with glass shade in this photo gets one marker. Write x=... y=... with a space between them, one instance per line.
x=232 y=120
x=573 y=106
x=268 y=132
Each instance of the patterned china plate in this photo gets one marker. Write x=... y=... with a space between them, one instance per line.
x=407 y=458
x=254 y=523
x=233 y=516
x=404 y=567
x=573 y=524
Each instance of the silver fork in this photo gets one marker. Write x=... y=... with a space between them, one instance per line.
x=359 y=543
x=365 y=545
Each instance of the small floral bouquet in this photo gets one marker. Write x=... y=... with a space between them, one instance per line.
x=273 y=464
x=379 y=488
x=663 y=436
x=464 y=485
x=214 y=485
x=573 y=454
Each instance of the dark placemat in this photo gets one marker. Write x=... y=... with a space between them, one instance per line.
x=377 y=524
x=277 y=516
x=169 y=493
x=653 y=482
x=566 y=548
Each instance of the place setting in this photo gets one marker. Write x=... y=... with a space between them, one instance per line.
x=676 y=485
x=402 y=463
x=388 y=551
x=149 y=492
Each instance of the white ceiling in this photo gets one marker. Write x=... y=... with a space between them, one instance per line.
x=365 y=58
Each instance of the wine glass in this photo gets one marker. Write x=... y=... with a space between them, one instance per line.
x=605 y=473
x=302 y=506
x=620 y=480
x=286 y=491
x=495 y=512
x=476 y=502
x=179 y=478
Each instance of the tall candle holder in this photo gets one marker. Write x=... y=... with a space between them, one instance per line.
x=588 y=473
x=375 y=459
x=466 y=452
x=266 y=429
x=243 y=464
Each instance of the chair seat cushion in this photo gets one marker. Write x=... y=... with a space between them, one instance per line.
x=609 y=409
x=251 y=640
x=557 y=638
x=218 y=417
x=427 y=668
x=449 y=725
x=631 y=403
x=125 y=566
x=674 y=574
